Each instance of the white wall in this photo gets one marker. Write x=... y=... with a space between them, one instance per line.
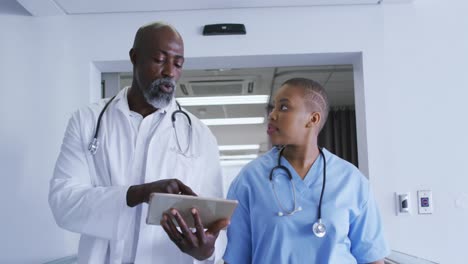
x=413 y=67
x=426 y=62
x=36 y=77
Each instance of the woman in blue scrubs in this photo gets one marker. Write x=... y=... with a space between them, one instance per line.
x=278 y=208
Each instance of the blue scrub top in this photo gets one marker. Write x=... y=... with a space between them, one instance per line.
x=258 y=235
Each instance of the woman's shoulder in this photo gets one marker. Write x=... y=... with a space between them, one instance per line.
x=343 y=169
x=257 y=169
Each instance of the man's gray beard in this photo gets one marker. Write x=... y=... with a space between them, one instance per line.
x=157 y=98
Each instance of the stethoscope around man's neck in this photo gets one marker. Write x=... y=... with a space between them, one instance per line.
x=94 y=145
x=318 y=227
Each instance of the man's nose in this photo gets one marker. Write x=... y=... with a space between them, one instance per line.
x=169 y=70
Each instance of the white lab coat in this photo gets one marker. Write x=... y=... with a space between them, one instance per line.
x=88 y=192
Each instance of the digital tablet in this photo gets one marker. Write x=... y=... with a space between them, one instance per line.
x=209 y=209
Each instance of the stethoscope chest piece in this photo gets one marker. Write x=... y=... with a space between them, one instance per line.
x=319 y=229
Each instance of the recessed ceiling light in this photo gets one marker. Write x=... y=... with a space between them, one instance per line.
x=233 y=121
x=223 y=100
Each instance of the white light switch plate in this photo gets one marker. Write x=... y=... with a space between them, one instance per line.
x=425 y=202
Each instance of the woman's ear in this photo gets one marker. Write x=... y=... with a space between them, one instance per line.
x=132 y=54
x=314 y=119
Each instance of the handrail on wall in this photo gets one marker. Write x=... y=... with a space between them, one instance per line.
x=397 y=257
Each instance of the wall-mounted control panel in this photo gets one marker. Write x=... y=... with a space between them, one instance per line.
x=425 y=202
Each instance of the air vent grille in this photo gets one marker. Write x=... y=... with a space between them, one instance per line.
x=218 y=89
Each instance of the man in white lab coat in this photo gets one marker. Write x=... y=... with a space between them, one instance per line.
x=100 y=190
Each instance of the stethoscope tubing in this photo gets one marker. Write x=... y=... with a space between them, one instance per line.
x=93 y=146
x=296 y=209
x=319 y=213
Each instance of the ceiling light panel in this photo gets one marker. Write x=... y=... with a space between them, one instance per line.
x=227 y=111
x=237 y=157
x=234 y=162
x=233 y=121
x=239 y=147
x=223 y=100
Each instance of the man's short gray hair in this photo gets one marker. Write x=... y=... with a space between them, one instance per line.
x=150 y=26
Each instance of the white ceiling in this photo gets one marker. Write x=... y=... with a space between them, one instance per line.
x=73 y=7
x=92 y=6
x=336 y=79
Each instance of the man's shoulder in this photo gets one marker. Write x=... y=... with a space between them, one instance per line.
x=91 y=110
x=85 y=117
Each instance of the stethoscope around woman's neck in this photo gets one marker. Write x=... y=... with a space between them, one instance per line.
x=318 y=228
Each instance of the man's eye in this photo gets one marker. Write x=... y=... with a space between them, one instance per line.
x=158 y=60
x=283 y=107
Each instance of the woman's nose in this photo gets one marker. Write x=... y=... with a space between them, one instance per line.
x=272 y=115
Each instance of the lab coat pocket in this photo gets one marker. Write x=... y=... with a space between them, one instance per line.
x=185 y=148
x=186 y=170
